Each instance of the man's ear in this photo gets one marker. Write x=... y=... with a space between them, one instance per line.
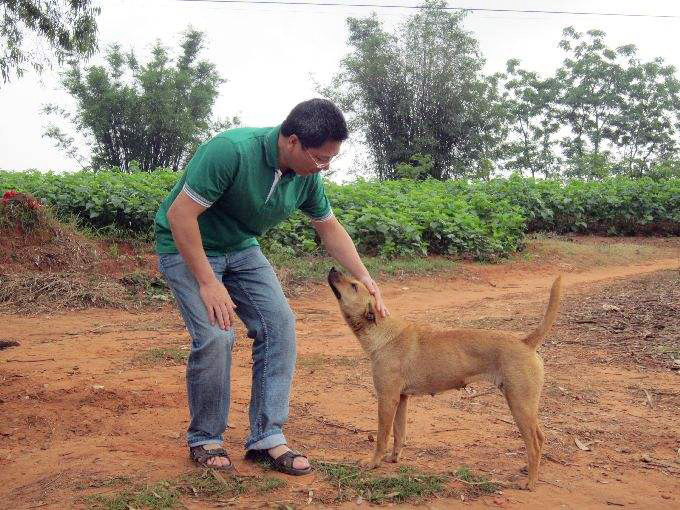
x=369 y=315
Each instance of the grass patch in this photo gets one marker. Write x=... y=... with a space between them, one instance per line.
x=164 y=356
x=159 y=496
x=477 y=485
x=407 y=485
x=265 y=484
x=112 y=481
x=210 y=484
x=148 y=287
x=586 y=253
x=206 y=485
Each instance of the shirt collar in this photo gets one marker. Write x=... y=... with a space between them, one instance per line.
x=272 y=146
x=272 y=152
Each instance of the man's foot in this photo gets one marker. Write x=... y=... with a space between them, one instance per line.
x=211 y=456
x=298 y=462
x=281 y=458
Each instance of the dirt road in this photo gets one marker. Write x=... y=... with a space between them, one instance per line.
x=88 y=407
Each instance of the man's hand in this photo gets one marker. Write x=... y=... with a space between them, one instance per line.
x=375 y=292
x=218 y=304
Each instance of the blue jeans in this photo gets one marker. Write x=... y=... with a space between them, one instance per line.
x=263 y=308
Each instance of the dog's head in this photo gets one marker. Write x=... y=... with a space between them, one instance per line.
x=356 y=303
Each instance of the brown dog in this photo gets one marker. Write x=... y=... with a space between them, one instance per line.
x=408 y=359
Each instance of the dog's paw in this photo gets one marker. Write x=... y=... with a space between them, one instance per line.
x=392 y=457
x=370 y=463
x=527 y=485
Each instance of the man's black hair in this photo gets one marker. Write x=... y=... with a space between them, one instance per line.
x=315 y=122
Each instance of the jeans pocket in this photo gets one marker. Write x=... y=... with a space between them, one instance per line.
x=250 y=258
x=168 y=261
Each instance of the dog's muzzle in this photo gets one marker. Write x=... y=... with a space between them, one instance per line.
x=334 y=276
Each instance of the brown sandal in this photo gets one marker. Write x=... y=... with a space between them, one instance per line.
x=282 y=463
x=202 y=453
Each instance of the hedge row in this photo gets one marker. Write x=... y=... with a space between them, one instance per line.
x=475 y=219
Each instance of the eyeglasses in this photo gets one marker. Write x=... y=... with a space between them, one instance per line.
x=320 y=163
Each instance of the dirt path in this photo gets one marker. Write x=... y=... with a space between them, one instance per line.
x=84 y=409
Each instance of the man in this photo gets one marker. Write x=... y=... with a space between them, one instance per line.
x=239 y=184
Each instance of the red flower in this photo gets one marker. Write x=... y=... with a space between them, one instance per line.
x=9 y=195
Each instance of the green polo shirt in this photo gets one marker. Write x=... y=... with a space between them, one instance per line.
x=235 y=176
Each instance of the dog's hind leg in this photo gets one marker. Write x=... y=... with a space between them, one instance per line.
x=524 y=408
x=399 y=428
x=387 y=407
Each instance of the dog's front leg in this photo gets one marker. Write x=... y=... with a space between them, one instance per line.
x=387 y=407
x=399 y=428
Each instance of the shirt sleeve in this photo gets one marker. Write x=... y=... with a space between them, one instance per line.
x=211 y=171
x=316 y=205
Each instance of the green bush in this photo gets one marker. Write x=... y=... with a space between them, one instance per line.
x=482 y=220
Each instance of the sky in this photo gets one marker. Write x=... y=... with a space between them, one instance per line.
x=273 y=55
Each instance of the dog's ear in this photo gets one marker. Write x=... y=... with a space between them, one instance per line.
x=369 y=315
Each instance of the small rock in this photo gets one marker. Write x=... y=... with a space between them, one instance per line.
x=646 y=458
x=97 y=387
x=665 y=496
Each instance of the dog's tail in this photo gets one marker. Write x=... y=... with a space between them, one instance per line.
x=534 y=338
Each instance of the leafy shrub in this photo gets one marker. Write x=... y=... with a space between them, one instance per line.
x=481 y=220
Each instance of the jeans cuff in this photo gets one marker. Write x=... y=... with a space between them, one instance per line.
x=200 y=442
x=264 y=443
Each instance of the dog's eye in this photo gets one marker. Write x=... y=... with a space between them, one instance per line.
x=354 y=286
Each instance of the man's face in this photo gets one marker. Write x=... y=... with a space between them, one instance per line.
x=307 y=161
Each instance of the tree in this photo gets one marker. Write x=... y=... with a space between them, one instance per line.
x=623 y=113
x=645 y=127
x=67 y=27
x=532 y=122
x=142 y=116
x=420 y=92
x=590 y=79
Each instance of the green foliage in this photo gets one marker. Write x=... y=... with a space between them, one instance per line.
x=164 y=355
x=65 y=29
x=128 y=202
x=420 y=167
x=406 y=485
x=480 y=483
x=419 y=90
x=139 y=117
x=614 y=114
x=411 y=218
x=481 y=220
x=160 y=496
x=533 y=126
x=205 y=484
x=614 y=206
